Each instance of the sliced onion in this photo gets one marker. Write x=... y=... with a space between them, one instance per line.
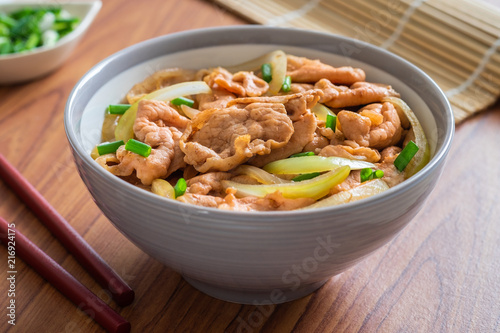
x=189 y=111
x=365 y=190
x=315 y=188
x=423 y=155
x=260 y=175
x=309 y=164
x=321 y=111
x=124 y=130
x=163 y=188
x=278 y=68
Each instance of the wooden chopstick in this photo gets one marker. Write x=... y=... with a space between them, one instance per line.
x=62 y=230
x=51 y=271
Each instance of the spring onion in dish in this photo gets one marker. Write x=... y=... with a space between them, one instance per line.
x=180 y=187
x=287 y=84
x=306 y=153
x=331 y=121
x=266 y=72
x=309 y=164
x=138 y=147
x=118 y=108
x=124 y=130
x=109 y=147
x=423 y=155
x=305 y=176
x=315 y=188
x=163 y=188
x=182 y=101
x=362 y=191
x=405 y=156
x=368 y=174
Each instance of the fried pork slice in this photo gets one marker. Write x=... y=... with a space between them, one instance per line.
x=359 y=93
x=160 y=126
x=158 y=80
x=303 y=133
x=306 y=70
x=271 y=202
x=217 y=99
x=296 y=104
x=241 y=83
x=221 y=139
x=208 y=183
x=352 y=152
x=304 y=123
x=367 y=130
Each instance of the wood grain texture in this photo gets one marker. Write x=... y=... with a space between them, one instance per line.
x=441 y=274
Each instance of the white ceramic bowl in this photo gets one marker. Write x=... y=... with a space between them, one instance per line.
x=249 y=257
x=29 y=65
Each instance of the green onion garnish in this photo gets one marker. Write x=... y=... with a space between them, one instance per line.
x=109 y=147
x=180 y=187
x=368 y=174
x=378 y=174
x=406 y=155
x=331 y=121
x=287 y=84
x=182 y=101
x=118 y=108
x=267 y=74
x=306 y=176
x=138 y=147
x=306 y=153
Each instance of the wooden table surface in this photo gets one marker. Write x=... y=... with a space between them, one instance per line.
x=441 y=274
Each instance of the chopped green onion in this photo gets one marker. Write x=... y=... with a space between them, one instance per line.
x=331 y=122
x=368 y=174
x=118 y=108
x=32 y=41
x=266 y=72
x=7 y=20
x=182 y=101
x=406 y=155
x=68 y=20
x=306 y=153
x=180 y=187
x=287 y=84
x=306 y=176
x=5 y=45
x=26 y=28
x=138 y=147
x=109 y=147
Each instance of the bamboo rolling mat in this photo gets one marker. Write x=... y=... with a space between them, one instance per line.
x=456 y=42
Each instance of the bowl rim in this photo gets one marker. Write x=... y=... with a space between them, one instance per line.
x=407 y=185
x=93 y=6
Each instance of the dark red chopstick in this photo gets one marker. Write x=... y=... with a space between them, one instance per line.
x=62 y=230
x=63 y=281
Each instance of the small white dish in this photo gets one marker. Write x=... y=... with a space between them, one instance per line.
x=29 y=65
